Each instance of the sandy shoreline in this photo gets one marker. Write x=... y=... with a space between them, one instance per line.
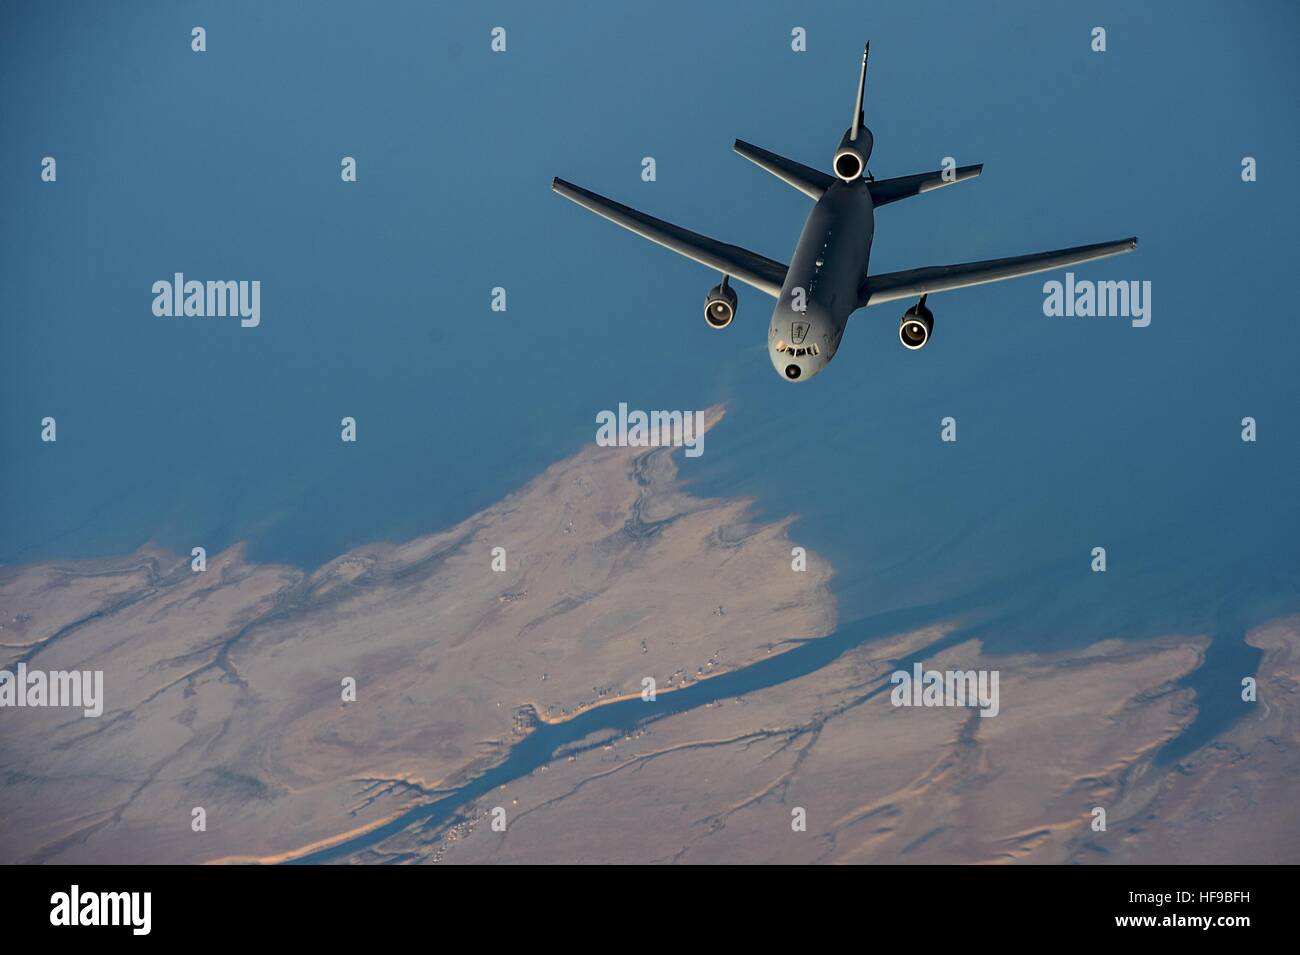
x=223 y=692
x=223 y=688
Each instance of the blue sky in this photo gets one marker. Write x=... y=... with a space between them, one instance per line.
x=225 y=165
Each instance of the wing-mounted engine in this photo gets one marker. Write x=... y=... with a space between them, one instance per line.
x=720 y=305
x=915 y=326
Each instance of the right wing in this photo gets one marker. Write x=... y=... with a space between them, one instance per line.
x=889 y=286
x=750 y=267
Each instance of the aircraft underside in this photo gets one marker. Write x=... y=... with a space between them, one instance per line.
x=827 y=279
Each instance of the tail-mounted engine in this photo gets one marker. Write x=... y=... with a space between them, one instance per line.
x=855 y=146
x=852 y=155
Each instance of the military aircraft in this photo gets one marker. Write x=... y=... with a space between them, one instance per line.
x=827 y=279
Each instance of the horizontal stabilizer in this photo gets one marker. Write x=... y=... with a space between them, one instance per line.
x=889 y=286
x=884 y=191
x=807 y=180
x=750 y=267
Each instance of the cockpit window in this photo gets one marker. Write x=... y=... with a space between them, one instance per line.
x=783 y=348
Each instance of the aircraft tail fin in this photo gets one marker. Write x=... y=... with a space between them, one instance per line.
x=858 y=118
x=811 y=182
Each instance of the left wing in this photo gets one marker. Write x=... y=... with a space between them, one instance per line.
x=750 y=267
x=889 y=286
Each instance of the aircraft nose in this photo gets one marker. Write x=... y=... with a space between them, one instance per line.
x=795 y=364
x=795 y=344
x=796 y=369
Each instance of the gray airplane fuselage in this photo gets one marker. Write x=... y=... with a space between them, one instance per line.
x=823 y=284
x=826 y=280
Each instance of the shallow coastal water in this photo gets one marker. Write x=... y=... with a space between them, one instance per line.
x=593 y=728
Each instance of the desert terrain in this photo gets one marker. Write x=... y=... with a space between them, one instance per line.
x=224 y=690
